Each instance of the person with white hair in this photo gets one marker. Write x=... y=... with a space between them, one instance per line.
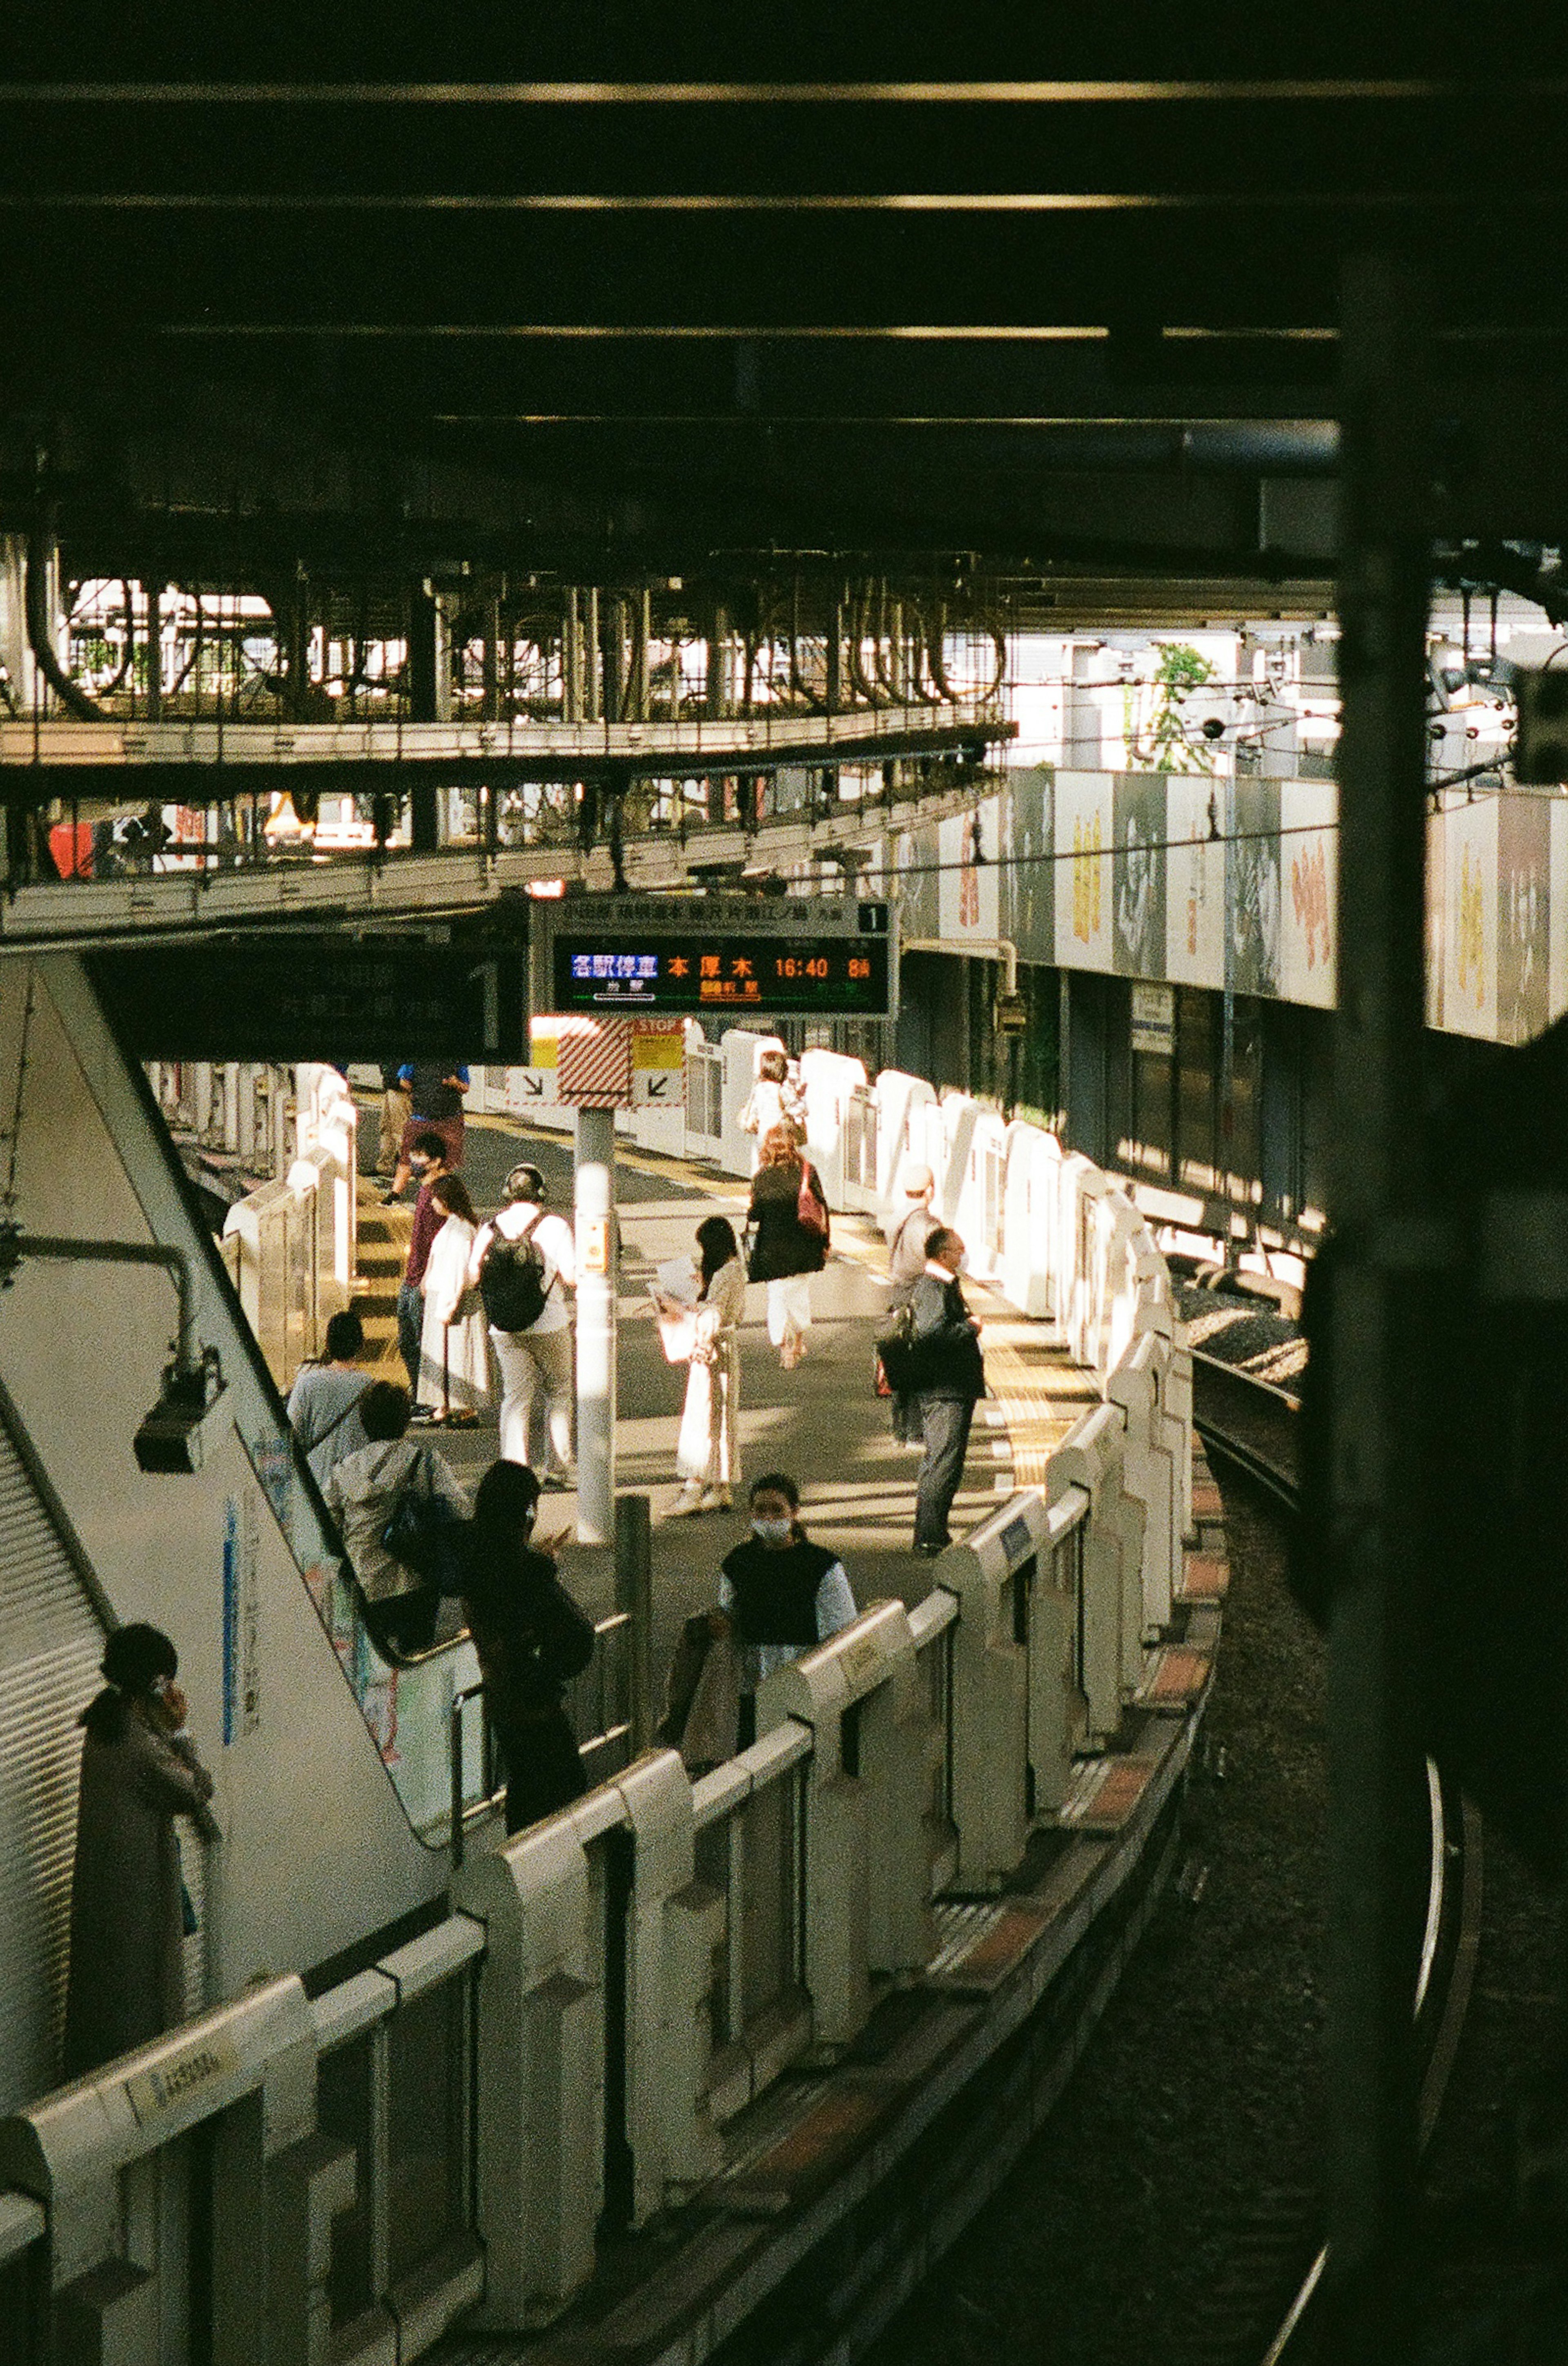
x=906 y=1229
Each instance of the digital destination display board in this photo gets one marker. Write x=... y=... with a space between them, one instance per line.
x=829 y=977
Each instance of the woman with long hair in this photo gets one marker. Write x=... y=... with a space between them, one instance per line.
x=774 y=1099
x=789 y=1219
x=530 y=1637
x=454 y=1349
x=128 y=1901
x=708 y=1454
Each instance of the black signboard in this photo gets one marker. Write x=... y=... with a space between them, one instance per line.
x=259 y=997
x=637 y=970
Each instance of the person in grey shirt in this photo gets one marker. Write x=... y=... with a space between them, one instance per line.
x=323 y=1404
x=907 y=1229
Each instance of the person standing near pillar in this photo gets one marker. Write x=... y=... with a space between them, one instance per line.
x=707 y=1452
x=951 y=1378
x=523 y=1264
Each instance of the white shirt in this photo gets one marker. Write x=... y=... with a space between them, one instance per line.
x=552 y=1237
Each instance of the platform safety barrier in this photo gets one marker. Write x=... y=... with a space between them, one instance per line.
x=291 y=1242
x=613 y=1986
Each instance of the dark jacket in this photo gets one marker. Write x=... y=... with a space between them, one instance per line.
x=127 y=1982
x=530 y=1633
x=431 y=1095
x=776 y=1593
x=948 y=1353
x=783 y=1244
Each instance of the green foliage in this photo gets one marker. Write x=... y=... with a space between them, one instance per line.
x=1165 y=747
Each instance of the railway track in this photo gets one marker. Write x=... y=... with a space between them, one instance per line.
x=1251 y=1423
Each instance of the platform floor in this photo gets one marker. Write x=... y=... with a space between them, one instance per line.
x=821 y=1422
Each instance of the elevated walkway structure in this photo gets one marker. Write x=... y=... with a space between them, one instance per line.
x=713 y=2017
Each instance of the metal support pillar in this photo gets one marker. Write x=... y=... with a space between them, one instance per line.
x=571 y=667
x=492 y=687
x=634 y=1595
x=154 y=653
x=430 y=701
x=595 y=1206
x=1380 y=1318
x=614 y=630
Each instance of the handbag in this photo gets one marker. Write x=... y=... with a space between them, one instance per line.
x=808 y=1208
x=897 y=1370
x=421 y=1532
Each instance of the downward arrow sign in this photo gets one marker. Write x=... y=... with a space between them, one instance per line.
x=656 y=1088
x=533 y=1088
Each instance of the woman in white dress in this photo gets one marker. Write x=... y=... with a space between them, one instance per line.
x=708 y=1454
x=454 y=1347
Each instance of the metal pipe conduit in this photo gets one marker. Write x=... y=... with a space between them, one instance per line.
x=16 y=1245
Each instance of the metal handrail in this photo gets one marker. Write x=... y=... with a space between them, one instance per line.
x=463 y=1814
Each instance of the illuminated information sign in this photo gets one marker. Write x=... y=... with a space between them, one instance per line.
x=840 y=976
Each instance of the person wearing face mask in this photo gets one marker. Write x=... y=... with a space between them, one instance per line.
x=952 y=1378
x=530 y=1637
x=127 y=1903
x=779 y=1591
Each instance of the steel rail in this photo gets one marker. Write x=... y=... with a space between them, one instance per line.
x=1452 y=1937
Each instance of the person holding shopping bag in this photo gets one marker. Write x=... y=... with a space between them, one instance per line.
x=788 y=1217
x=708 y=1454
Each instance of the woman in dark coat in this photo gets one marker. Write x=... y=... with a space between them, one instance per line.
x=785 y=1250
x=530 y=1637
x=138 y=1772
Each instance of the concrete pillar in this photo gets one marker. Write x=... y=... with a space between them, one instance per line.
x=430 y=701
x=1378 y=1329
x=594 y=1201
x=1082 y=750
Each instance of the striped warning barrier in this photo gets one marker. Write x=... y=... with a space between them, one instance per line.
x=593 y=1063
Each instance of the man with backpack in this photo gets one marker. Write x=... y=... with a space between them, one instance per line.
x=523 y=1265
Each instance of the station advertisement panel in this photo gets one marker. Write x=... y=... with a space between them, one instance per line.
x=1029 y=885
x=1469 y=917
x=1138 y=875
x=969 y=882
x=1254 y=898
x=1523 y=951
x=1085 y=829
x=1195 y=882
x=1309 y=867
x=1557 y=908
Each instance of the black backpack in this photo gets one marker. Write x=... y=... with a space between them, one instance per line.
x=511 y=1279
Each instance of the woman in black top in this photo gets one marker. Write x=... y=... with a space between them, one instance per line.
x=787 y=1247
x=530 y=1637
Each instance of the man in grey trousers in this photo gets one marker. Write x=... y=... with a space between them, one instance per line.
x=951 y=1379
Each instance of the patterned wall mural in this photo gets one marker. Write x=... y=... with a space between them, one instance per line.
x=1164 y=876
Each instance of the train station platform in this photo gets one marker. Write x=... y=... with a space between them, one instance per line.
x=635 y=2082
x=822 y=1422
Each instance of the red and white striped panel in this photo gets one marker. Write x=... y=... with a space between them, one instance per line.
x=593 y=1063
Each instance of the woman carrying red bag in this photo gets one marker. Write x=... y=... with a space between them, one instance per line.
x=788 y=1217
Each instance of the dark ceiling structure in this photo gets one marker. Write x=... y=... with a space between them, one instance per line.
x=633 y=306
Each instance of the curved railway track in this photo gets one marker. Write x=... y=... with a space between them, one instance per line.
x=1251 y=1423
